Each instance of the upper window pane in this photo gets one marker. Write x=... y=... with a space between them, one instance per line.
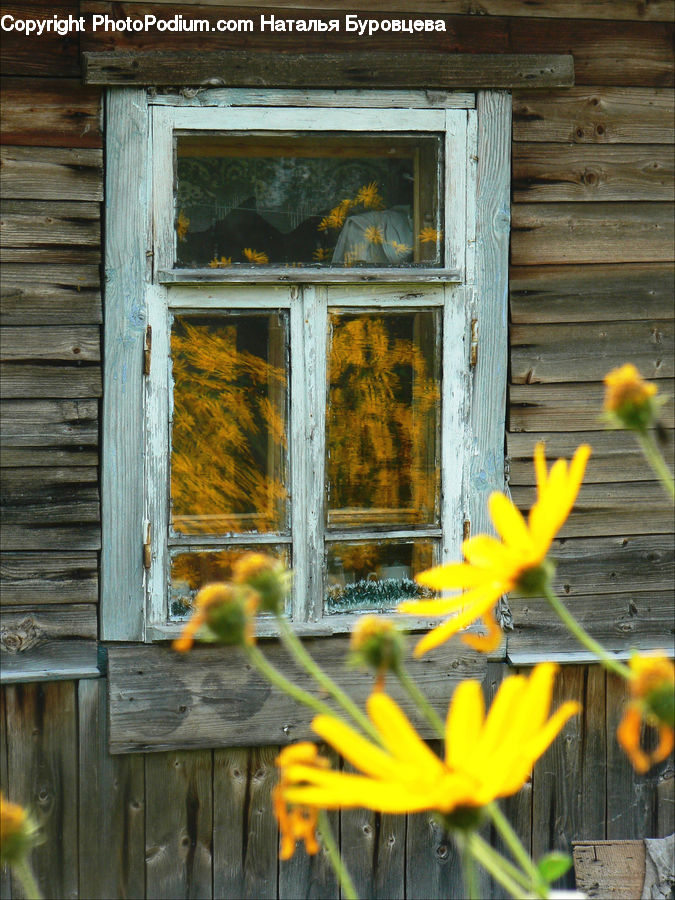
x=229 y=430
x=317 y=199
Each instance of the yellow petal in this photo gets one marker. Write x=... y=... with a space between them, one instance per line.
x=453 y=576
x=344 y=791
x=509 y=523
x=486 y=552
x=463 y=724
x=399 y=736
x=540 y=466
x=363 y=755
x=439 y=607
x=501 y=713
x=485 y=643
x=477 y=603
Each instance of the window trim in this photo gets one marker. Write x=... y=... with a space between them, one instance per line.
x=131 y=142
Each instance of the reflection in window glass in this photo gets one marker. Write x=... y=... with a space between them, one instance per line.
x=302 y=199
x=383 y=419
x=229 y=433
x=375 y=574
x=191 y=571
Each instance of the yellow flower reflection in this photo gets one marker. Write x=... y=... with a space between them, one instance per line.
x=257 y=257
x=182 y=225
x=485 y=757
x=494 y=567
x=221 y=263
x=373 y=234
x=296 y=823
x=652 y=688
x=430 y=236
x=369 y=196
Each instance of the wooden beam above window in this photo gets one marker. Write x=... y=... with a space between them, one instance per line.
x=369 y=69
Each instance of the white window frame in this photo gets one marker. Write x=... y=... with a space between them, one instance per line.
x=143 y=289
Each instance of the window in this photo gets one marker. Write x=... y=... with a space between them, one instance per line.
x=305 y=306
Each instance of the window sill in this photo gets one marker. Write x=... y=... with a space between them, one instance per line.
x=306 y=275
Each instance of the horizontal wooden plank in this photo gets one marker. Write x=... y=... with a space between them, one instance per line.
x=553 y=172
x=54 y=661
x=567 y=233
x=567 y=407
x=587 y=351
x=603 y=510
x=595 y=293
x=49 y=433
x=51 y=173
x=25 y=628
x=47 y=578
x=612 y=565
x=242 y=68
x=50 y=509
x=596 y=115
x=616 y=455
x=619 y=622
x=212 y=697
x=49 y=113
x=51 y=255
x=50 y=295
x=47 y=54
x=50 y=362
x=44 y=222
x=638 y=10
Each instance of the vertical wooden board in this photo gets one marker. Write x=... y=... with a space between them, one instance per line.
x=556 y=798
x=5 y=878
x=42 y=774
x=665 y=805
x=433 y=867
x=178 y=825
x=111 y=806
x=593 y=776
x=262 y=841
x=486 y=454
x=313 y=876
x=230 y=796
x=122 y=484
x=631 y=798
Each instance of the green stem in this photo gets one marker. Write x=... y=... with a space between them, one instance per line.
x=346 y=883
x=496 y=866
x=656 y=461
x=23 y=873
x=514 y=844
x=511 y=870
x=294 y=646
x=469 y=870
x=278 y=680
x=422 y=703
x=607 y=660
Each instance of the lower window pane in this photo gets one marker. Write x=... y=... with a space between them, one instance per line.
x=375 y=574
x=191 y=571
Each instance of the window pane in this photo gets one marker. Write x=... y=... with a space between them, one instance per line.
x=319 y=199
x=383 y=419
x=191 y=571
x=375 y=574
x=229 y=433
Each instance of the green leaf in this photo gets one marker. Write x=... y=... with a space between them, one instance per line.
x=553 y=866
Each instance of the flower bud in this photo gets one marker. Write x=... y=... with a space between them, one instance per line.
x=224 y=613
x=377 y=644
x=630 y=402
x=265 y=575
x=18 y=832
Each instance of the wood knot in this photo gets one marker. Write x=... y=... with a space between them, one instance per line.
x=21 y=637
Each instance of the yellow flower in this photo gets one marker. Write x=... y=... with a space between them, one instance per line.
x=221 y=263
x=400 y=248
x=265 y=575
x=629 y=401
x=296 y=823
x=430 y=236
x=485 y=757
x=18 y=832
x=225 y=613
x=494 y=567
x=322 y=253
x=374 y=235
x=258 y=257
x=652 y=688
x=182 y=225
x=369 y=196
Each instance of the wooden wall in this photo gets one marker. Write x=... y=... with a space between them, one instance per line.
x=591 y=284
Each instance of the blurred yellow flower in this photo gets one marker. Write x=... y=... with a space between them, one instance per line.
x=296 y=823
x=258 y=257
x=322 y=253
x=182 y=225
x=369 y=196
x=430 y=236
x=377 y=644
x=400 y=248
x=221 y=263
x=18 y=832
x=494 y=567
x=373 y=234
x=224 y=612
x=485 y=757
x=652 y=688
x=630 y=402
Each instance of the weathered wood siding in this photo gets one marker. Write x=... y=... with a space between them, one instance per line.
x=590 y=286
x=199 y=823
